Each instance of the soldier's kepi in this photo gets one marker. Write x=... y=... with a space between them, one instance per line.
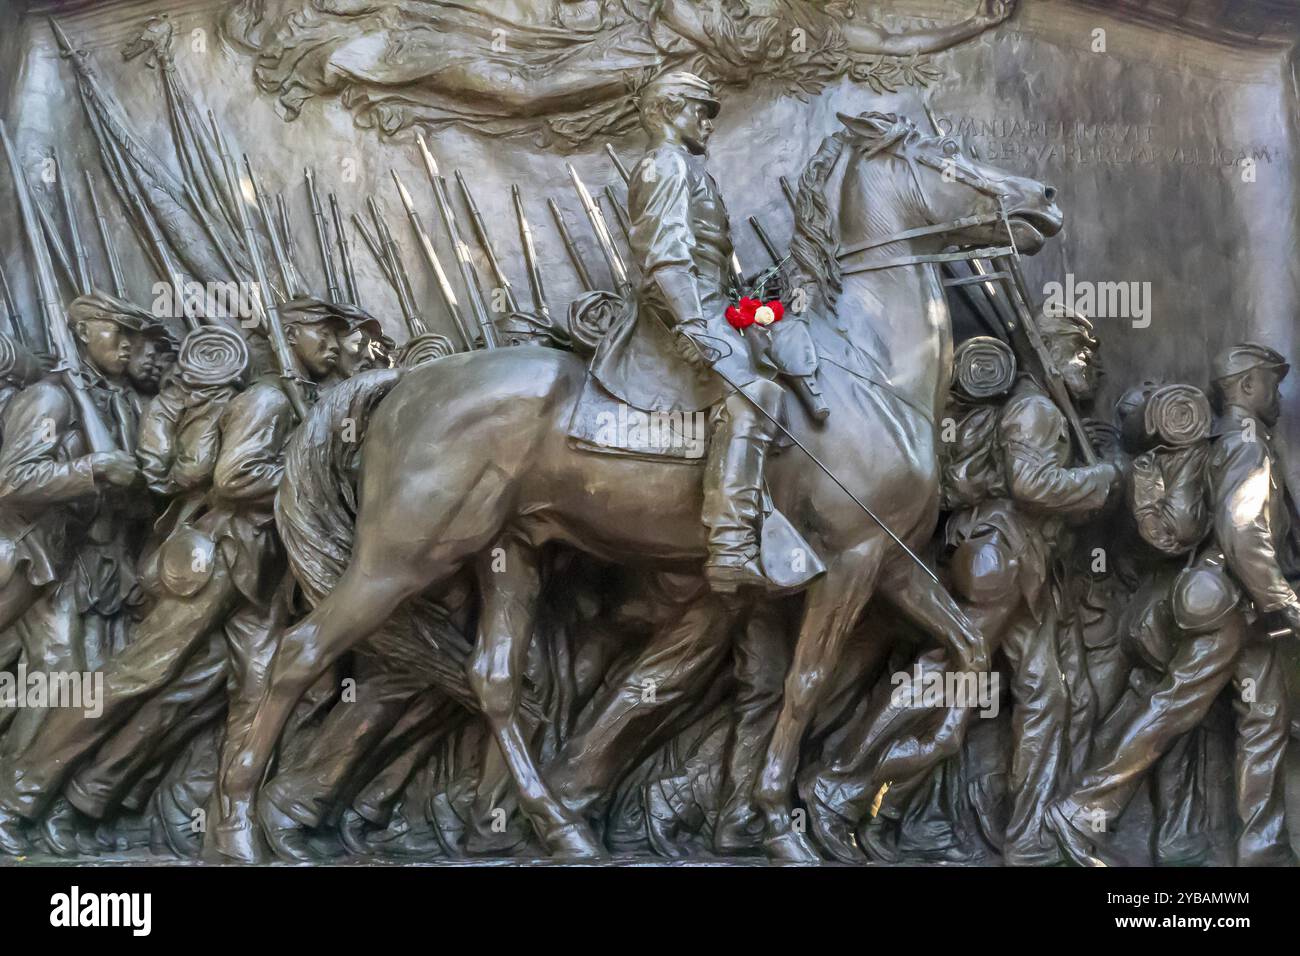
x=682 y=243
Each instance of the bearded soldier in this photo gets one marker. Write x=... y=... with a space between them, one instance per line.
x=1228 y=608
x=219 y=608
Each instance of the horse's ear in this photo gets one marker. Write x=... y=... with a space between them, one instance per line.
x=869 y=125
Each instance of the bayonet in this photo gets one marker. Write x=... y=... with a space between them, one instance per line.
x=345 y=252
x=584 y=277
x=263 y=296
x=431 y=257
x=110 y=250
x=272 y=231
x=467 y=273
x=98 y=436
x=388 y=246
x=79 y=257
x=322 y=238
x=485 y=243
x=530 y=257
x=603 y=239
x=54 y=244
x=11 y=309
x=290 y=245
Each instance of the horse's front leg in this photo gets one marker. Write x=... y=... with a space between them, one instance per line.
x=834 y=603
x=510 y=584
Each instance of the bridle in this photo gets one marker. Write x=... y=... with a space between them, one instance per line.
x=966 y=178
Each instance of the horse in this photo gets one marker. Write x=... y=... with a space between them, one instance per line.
x=465 y=464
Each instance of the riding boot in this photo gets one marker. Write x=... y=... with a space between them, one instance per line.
x=733 y=495
x=810 y=394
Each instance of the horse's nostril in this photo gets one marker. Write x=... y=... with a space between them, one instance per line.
x=1049 y=193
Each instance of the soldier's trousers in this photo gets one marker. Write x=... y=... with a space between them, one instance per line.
x=52 y=639
x=1200 y=668
x=166 y=657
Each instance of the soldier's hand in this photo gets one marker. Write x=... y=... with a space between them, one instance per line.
x=688 y=350
x=1291 y=617
x=116 y=467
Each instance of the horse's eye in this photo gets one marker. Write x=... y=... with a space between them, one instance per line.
x=950 y=147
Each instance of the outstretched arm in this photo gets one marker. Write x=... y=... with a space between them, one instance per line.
x=869 y=38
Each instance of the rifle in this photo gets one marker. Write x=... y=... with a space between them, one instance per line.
x=74 y=232
x=345 y=253
x=406 y=292
x=620 y=214
x=1053 y=381
x=110 y=251
x=290 y=246
x=467 y=274
x=272 y=231
x=603 y=239
x=322 y=237
x=98 y=436
x=270 y=313
x=55 y=245
x=485 y=243
x=11 y=309
x=371 y=243
x=766 y=242
x=530 y=256
x=439 y=273
x=584 y=277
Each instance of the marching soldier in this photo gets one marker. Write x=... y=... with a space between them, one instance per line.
x=1003 y=549
x=213 y=624
x=1228 y=608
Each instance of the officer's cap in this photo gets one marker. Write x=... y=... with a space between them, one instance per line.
x=98 y=306
x=683 y=84
x=1247 y=355
x=1062 y=320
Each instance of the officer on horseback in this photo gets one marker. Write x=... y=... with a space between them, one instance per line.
x=681 y=242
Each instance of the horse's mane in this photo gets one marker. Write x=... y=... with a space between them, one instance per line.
x=816 y=231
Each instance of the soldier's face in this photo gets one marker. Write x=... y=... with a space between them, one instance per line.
x=106 y=345
x=145 y=366
x=1078 y=365
x=1262 y=388
x=694 y=126
x=316 y=344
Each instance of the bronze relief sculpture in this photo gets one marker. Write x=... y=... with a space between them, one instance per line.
x=358 y=549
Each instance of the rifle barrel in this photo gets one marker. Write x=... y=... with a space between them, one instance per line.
x=603 y=239
x=620 y=214
x=468 y=274
x=431 y=257
x=98 y=436
x=290 y=246
x=584 y=277
x=110 y=250
x=345 y=252
x=74 y=232
x=388 y=245
x=485 y=243
x=264 y=297
x=530 y=256
x=618 y=163
x=11 y=309
x=322 y=237
x=54 y=244
x=766 y=241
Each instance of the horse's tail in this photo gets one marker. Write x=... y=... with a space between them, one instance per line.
x=316 y=508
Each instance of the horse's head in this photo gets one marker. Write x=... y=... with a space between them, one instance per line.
x=927 y=180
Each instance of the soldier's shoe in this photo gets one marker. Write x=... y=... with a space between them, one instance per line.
x=286 y=836
x=61 y=830
x=833 y=830
x=236 y=839
x=878 y=837
x=791 y=846
x=1075 y=842
x=729 y=576
x=738 y=830
x=13 y=839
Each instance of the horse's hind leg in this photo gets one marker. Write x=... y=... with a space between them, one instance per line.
x=834 y=603
x=357 y=606
x=510 y=583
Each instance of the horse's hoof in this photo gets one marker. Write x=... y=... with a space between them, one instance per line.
x=791 y=847
x=284 y=834
x=575 y=841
